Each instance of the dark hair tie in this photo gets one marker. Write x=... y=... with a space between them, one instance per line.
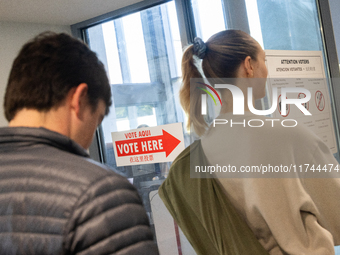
x=199 y=47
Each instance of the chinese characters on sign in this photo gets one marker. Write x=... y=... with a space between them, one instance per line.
x=148 y=145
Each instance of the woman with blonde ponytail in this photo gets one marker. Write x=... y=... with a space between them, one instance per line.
x=221 y=56
x=190 y=71
x=223 y=208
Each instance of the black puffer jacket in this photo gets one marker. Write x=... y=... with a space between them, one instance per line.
x=54 y=200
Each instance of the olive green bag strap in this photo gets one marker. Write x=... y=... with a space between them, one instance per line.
x=202 y=211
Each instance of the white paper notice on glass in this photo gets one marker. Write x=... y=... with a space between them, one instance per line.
x=302 y=69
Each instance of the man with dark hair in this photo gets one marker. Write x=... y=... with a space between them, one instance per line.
x=53 y=198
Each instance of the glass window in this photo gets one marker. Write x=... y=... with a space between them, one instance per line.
x=254 y=21
x=209 y=17
x=285 y=24
x=142 y=53
x=289 y=25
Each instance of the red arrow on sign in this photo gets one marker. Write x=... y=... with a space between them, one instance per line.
x=153 y=144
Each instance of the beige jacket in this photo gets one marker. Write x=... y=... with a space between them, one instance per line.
x=296 y=215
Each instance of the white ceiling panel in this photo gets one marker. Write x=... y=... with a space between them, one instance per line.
x=57 y=12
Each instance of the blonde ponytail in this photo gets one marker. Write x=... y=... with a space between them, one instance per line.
x=190 y=98
x=221 y=57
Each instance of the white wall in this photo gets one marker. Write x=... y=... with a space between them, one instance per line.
x=12 y=36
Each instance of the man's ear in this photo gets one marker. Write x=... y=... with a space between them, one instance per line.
x=79 y=99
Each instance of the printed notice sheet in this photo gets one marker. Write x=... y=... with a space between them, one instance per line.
x=303 y=69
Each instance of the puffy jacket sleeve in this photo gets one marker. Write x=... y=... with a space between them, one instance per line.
x=109 y=219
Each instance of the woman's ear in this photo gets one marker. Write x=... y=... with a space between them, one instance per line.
x=248 y=65
x=79 y=99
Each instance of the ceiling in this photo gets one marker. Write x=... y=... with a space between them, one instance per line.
x=57 y=12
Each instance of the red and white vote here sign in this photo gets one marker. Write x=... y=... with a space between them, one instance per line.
x=148 y=145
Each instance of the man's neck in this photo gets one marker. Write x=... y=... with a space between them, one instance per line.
x=53 y=120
